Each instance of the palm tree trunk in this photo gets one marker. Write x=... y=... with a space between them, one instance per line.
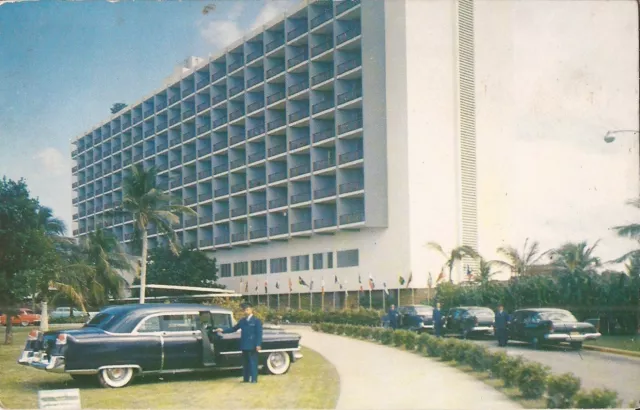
x=8 y=335
x=143 y=265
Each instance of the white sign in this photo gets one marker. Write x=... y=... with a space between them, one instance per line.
x=59 y=399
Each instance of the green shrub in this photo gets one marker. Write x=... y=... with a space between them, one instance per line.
x=340 y=329
x=365 y=332
x=399 y=337
x=376 y=333
x=315 y=327
x=422 y=343
x=387 y=337
x=597 y=399
x=460 y=351
x=532 y=380
x=435 y=346
x=410 y=341
x=561 y=390
x=75 y=319
x=448 y=350
x=496 y=361
x=510 y=369
x=478 y=358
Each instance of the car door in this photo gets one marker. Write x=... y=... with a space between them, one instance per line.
x=515 y=326
x=402 y=311
x=214 y=343
x=182 y=341
x=531 y=323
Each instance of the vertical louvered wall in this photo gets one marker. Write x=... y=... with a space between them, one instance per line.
x=467 y=129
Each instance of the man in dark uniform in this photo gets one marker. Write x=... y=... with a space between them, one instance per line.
x=393 y=317
x=250 y=342
x=501 y=321
x=437 y=320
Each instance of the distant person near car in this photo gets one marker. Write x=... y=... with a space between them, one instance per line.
x=393 y=316
x=501 y=322
x=437 y=320
x=250 y=342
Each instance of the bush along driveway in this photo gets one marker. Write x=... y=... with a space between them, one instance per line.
x=528 y=382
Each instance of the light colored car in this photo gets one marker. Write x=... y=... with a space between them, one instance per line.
x=25 y=317
x=64 y=312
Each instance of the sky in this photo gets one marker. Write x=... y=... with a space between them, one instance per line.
x=552 y=77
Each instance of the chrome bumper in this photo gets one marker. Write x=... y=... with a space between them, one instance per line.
x=297 y=355
x=565 y=337
x=54 y=364
x=423 y=326
x=482 y=329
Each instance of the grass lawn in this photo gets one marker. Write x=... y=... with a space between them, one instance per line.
x=311 y=383
x=618 y=342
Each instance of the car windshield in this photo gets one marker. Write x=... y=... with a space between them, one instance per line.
x=560 y=316
x=101 y=320
x=424 y=310
x=481 y=312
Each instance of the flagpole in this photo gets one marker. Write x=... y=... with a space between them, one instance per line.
x=299 y=303
x=369 y=297
x=310 y=299
x=278 y=300
x=413 y=299
x=384 y=303
x=289 y=299
x=334 y=300
x=398 y=297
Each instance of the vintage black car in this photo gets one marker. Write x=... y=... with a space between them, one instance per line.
x=469 y=320
x=550 y=326
x=417 y=318
x=124 y=341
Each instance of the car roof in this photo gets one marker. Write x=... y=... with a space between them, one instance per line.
x=149 y=308
x=542 y=310
x=472 y=307
x=417 y=306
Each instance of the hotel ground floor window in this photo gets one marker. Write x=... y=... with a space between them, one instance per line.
x=259 y=267
x=299 y=263
x=225 y=270
x=349 y=258
x=329 y=260
x=240 y=268
x=317 y=261
x=278 y=265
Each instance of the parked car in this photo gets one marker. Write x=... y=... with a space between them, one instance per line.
x=124 y=341
x=470 y=320
x=548 y=326
x=25 y=317
x=64 y=312
x=418 y=318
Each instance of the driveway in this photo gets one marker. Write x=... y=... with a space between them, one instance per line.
x=373 y=376
x=596 y=369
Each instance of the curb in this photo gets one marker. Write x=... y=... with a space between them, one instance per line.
x=611 y=350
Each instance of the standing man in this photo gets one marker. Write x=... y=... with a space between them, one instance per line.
x=393 y=317
x=437 y=320
x=501 y=322
x=250 y=342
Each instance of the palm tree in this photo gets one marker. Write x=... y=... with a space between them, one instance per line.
x=455 y=255
x=631 y=231
x=520 y=263
x=484 y=273
x=575 y=264
x=52 y=226
x=148 y=204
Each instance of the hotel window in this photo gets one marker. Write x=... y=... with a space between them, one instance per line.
x=240 y=268
x=259 y=267
x=329 y=260
x=225 y=270
x=348 y=258
x=299 y=263
x=278 y=265
x=317 y=261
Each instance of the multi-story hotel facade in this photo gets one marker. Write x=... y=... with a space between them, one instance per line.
x=335 y=141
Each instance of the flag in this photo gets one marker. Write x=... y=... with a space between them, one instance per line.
x=246 y=286
x=311 y=285
x=290 y=285
x=256 y=286
x=430 y=280
x=440 y=276
x=346 y=292
x=410 y=279
x=335 y=278
x=385 y=287
x=302 y=282
x=322 y=285
x=277 y=285
x=401 y=280
x=266 y=287
x=360 y=282
x=372 y=285
x=241 y=284
x=469 y=275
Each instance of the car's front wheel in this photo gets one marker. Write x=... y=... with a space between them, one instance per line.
x=24 y=323
x=278 y=363
x=115 y=377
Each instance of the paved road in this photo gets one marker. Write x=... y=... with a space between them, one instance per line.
x=596 y=369
x=373 y=376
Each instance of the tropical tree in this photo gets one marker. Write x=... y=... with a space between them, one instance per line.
x=575 y=264
x=453 y=256
x=485 y=271
x=631 y=231
x=147 y=204
x=520 y=262
x=50 y=225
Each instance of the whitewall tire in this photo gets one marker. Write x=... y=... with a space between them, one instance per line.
x=278 y=363
x=115 y=377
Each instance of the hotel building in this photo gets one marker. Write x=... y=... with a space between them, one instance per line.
x=335 y=141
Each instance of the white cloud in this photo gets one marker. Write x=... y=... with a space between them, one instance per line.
x=220 y=33
x=52 y=161
x=271 y=10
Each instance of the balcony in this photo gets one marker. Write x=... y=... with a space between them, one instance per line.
x=74 y=153
x=258 y=233
x=217 y=99
x=324 y=164
x=190 y=178
x=237 y=163
x=221 y=192
x=345 y=5
x=239 y=237
x=254 y=81
x=272 y=72
x=236 y=139
x=219 y=121
x=187 y=114
x=277 y=176
x=296 y=32
x=322 y=77
x=175 y=162
x=137 y=119
x=273 y=98
x=235 y=90
x=128 y=236
x=297 y=59
x=255 y=106
x=148 y=113
x=202 y=106
x=348 y=35
x=272 y=45
x=219 y=145
x=202 y=83
x=174 y=120
x=161 y=127
x=323 y=135
x=322 y=106
x=74 y=169
x=278 y=202
x=350 y=126
x=204 y=151
x=222 y=239
x=149 y=152
x=187 y=136
x=277 y=150
x=324 y=193
x=349 y=95
x=205 y=243
x=189 y=157
x=254 y=56
x=162 y=167
x=235 y=65
x=296 y=88
x=221 y=216
x=220 y=169
x=324 y=223
x=235 y=115
x=187 y=92
x=217 y=75
x=203 y=128
x=161 y=106
x=175 y=182
x=137 y=138
x=74 y=185
x=258 y=207
x=174 y=99
x=298 y=143
x=175 y=141
x=238 y=212
x=298 y=198
x=280 y=122
x=138 y=157
x=257 y=156
x=321 y=48
x=254 y=132
x=278 y=230
x=75 y=217
x=301 y=226
x=299 y=170
x=205 y=197
x=350 y=156
x=298 y=115
x=254 y=183
x=321 y=18
x=349 y=65
x=352 y=218
x=351 y=187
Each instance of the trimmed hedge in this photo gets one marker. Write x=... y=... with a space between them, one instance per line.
x=360 y=317
x=532 y=379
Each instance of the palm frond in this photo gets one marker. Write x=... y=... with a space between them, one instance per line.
x=437 y=247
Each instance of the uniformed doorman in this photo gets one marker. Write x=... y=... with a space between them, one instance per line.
x=250 y=342
x=501 y=322
x=393 y=317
